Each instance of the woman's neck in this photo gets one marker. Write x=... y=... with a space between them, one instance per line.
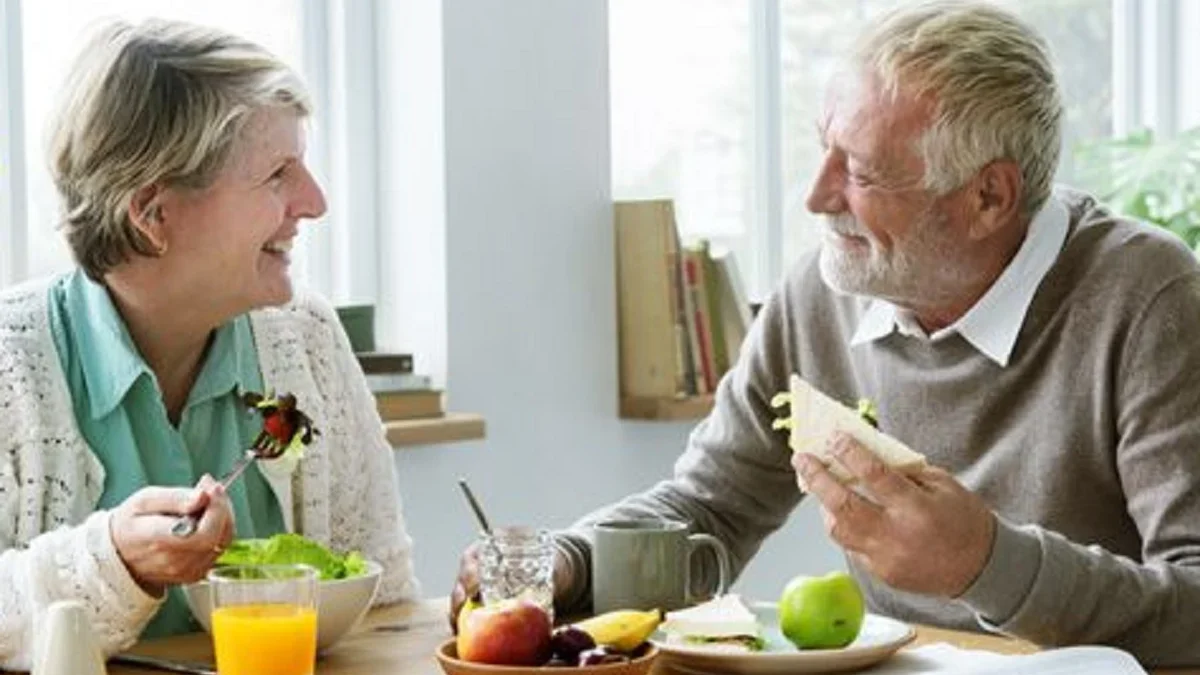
x=171 y=333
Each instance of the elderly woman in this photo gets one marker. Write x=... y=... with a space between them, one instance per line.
x=179 y=156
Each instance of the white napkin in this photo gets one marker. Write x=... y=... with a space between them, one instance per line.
x=945 y=658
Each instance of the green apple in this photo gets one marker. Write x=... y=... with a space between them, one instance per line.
x=823 y=612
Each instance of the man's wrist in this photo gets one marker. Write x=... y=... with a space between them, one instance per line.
x=983 y=548
x=1004 y=583
x=571 y=577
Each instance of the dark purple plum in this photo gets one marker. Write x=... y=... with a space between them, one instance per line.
x=566 y=643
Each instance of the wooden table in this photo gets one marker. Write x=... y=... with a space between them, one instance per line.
x=401 y=640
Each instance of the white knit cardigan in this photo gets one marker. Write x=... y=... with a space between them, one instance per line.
x=55 y=545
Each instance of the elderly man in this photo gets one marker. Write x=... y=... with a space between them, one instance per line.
x=1041 y=351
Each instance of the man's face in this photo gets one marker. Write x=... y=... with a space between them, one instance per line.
x=886 y=235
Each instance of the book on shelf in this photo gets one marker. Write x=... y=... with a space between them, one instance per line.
x=712 y=294
x=707 y=374
x=733 y=307
x=648 y=320
x=408 y=405
x=384 y=362
x=686 y=362
x=385 y=382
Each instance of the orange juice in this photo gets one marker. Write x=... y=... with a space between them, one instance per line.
x=265 y=639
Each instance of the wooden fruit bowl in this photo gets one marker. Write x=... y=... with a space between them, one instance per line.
x=447 y=655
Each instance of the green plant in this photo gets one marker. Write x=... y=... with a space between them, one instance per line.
x=1155 y=179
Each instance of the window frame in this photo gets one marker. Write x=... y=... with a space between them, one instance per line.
x=343 y=258
x=14 y=221
x=339 y=257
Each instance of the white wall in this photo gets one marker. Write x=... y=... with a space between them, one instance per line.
x=529 y=289
x=412 y=171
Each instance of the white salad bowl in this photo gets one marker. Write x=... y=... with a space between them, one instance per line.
x=340 y=604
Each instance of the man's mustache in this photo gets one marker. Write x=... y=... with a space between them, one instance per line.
x=844 y=224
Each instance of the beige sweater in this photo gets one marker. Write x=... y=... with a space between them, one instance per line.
x=1087 y=445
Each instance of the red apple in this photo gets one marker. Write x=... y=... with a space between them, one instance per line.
x=506 y=633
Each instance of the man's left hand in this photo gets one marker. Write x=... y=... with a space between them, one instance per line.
x=923 y=533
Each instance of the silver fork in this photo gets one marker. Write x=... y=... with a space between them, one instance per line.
x=265 y=447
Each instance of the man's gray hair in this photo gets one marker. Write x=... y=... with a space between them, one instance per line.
x=992 y=81
x=158 y=102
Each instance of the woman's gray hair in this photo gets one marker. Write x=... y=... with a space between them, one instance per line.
x=991 y=79
x=158 y=102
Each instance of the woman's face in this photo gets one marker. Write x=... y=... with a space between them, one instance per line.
x=231 y=241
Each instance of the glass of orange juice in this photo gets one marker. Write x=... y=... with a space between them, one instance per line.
x=264 y=619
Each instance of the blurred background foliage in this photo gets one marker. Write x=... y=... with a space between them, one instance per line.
x=1154 y=178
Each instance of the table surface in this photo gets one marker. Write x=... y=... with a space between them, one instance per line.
x=401 y=640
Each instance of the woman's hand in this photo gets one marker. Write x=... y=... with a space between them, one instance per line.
x=141 y=532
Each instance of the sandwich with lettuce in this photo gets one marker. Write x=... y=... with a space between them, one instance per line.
x=723 y=624
x=813 y=417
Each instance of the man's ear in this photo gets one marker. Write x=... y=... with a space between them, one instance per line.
x=995 y=197
x=145 y=213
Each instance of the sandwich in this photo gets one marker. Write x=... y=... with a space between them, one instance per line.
x=723 y=624
x=814 y=417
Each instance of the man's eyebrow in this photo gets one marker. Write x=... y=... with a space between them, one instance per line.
x=856 y=154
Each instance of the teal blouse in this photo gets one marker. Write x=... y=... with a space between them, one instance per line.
x=120 y=412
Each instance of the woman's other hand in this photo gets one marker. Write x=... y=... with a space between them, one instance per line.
x=141 y=532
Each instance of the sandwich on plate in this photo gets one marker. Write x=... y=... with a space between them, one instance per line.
x=723 y=624
x=814 y=417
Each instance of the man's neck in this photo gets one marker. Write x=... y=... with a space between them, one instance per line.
x=991 y=258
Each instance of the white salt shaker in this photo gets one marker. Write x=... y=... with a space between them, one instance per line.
x=66 y=643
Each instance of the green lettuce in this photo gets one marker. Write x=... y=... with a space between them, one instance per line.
x=291 y=549
x=753 y=643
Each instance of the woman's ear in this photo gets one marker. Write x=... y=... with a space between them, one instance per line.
x=145 y=213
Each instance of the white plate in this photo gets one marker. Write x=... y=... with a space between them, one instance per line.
x=879 y=638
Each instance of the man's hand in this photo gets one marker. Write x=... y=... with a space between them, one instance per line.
x=466 y=586
x=924 y=533
x=141 y=532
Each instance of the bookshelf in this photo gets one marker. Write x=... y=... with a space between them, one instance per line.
x=682 y=315
x=412 y=410
x=664 y=408
x=449 y=428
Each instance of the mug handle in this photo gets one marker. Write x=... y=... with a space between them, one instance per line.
x=699 y=541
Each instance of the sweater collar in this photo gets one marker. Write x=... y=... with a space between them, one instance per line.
x=993 y=323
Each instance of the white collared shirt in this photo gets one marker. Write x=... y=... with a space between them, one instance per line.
x=994 y=321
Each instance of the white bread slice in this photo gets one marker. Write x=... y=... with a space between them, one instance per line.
x=723 y=624
x=724 y=616
x=815 y=416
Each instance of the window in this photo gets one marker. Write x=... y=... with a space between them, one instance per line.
x=682 y=124
x=331 y=44
x=714 y=104
x=52 y=32
x=816 y=32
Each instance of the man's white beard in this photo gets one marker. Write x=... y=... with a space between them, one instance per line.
x=922 y=270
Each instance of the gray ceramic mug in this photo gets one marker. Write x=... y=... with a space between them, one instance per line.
x=644 y=564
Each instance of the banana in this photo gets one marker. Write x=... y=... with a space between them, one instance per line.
x=622 y=629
